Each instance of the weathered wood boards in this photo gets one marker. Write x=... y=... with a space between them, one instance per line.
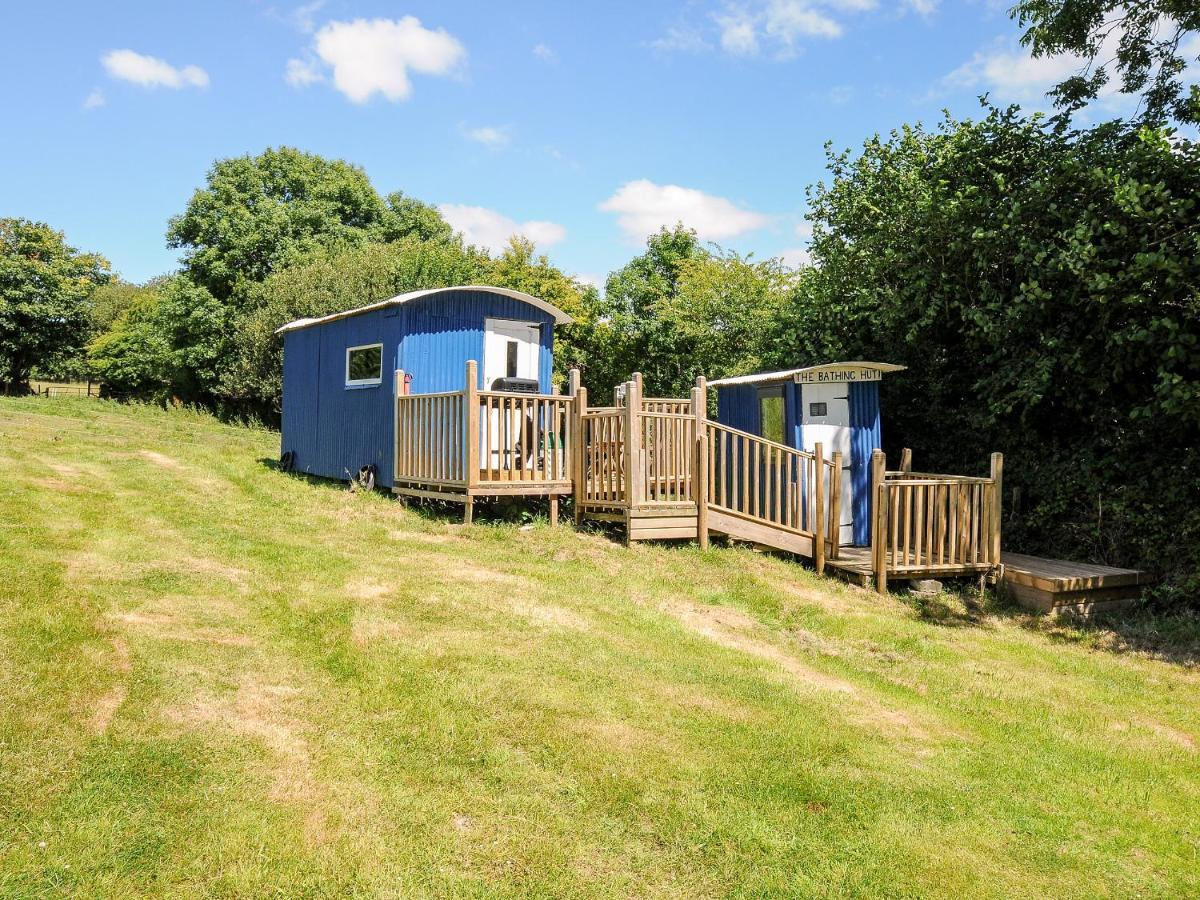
x=1061 y=587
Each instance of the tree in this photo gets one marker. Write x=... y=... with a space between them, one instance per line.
x=409 y=217
x=728 y=306
x=632 y=333
x=1043 y=287
x=45 y=286
x=259 y=214
x=1147 y=41
x=520 y=269
x=330 y=281
x=170 y=342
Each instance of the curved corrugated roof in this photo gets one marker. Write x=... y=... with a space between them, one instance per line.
x=790 y=374
x=560 y=317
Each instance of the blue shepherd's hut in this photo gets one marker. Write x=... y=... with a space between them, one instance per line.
x=836 y=404
x=339 y=370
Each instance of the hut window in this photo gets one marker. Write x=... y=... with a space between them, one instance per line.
x=770 y=413
x=364 y=365
x=818 y=409
x=511 y=366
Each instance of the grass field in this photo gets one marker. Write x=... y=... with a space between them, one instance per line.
x=221 y=680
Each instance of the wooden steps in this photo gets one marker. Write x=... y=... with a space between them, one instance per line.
x=1058 y=586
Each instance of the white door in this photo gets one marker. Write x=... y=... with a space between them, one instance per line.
x=511 y=349
x=825 y=418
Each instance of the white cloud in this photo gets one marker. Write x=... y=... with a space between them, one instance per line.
x=95 y=99
x=922 y=7
x=796 y=257
x=595 y=280
x=751 y=27
x=490 y=229
x=544 y=53
x=788 y=20
x=841 y=94
x=369 y=56
x=489 y=135
x=150 y=72
x=302 y=72
x=681 y=39
x=738 y=34
x=643 y=207
x=303 y=16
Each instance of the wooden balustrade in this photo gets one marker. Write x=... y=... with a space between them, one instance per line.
x=524 y=437
x=429 y=446
x=667 y=454
x=929 y=524
x=667 y=406
x=773 y=484
x=602 y=446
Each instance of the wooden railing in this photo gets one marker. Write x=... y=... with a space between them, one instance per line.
x=931 y=524
x=483 y=442
x=668 y=450
x=775 y=485
x=601 y=460
x=431 y=446
x=524 y=437
x=667 y=405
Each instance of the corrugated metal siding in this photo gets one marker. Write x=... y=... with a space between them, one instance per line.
x=737 y=407
x=444 y=331
x=793 y=396
x=865 y=437
x=334 y=429
x=301 y=368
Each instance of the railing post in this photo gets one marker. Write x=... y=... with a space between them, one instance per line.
x=879 y=518
x=906 y=461
x=573 y=382
x=835 y=504
x=399 y=392
x=579 y=454
x=997 y=495
x=471 y=430
x=819 y=515
x=700 y=466
x=633 y=443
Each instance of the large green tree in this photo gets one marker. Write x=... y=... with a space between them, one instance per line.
x=632 y=332
x=1150 y=43
x=170 y=342
x=258 y=214
x=45 y=287
x=1044 y=289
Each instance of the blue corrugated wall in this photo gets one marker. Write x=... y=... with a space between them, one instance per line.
x=737 y=407
x=333 y=429
x=865 y=436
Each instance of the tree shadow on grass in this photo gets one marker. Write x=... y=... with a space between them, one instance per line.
x=1171 y=635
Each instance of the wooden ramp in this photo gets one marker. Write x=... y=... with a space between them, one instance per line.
x=1058 y=586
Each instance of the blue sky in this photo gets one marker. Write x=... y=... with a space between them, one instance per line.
x=583 y=126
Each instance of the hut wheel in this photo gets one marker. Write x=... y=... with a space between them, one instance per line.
x=366 y=477
x=287 y=462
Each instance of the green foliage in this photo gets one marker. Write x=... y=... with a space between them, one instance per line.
x=409 y=217
x=727 y=306
x=1147 y=40
x=631 y=333
x=1044 y=289
x=259 y=214
x=331 y=281
x=169 y=343
x=45 y=287
x=519 y=268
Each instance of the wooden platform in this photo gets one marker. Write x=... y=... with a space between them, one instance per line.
x=854 y=565
x=1058 y=586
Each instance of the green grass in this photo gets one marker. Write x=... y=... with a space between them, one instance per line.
x=221 y=680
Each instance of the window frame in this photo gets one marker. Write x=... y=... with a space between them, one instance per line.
x=364 y=382
x=772 y=392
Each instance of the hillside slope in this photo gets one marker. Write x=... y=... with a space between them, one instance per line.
x=217 y=679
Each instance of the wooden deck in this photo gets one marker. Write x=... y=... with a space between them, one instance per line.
x=1058 y=586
